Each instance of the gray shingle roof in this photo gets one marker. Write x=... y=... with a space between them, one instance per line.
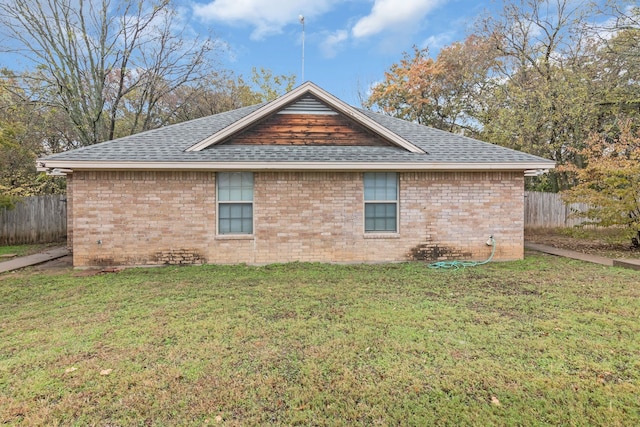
x=168 y=144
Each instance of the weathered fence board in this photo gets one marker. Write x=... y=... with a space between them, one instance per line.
x=38 y=219
x=547 y=210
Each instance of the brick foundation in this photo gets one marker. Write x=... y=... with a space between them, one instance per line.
x=151 y=218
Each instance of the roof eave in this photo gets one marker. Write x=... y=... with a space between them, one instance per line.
x=77 y=165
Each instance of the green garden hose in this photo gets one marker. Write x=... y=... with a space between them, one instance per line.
x=465 y=264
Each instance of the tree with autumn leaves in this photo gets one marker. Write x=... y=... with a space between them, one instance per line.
x=446 y=93
x=538 y=77
x=610 y=181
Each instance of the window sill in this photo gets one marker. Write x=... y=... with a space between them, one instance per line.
x=235 y=237
x=382 y=235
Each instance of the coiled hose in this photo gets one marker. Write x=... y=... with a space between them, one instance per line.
x=465 y=264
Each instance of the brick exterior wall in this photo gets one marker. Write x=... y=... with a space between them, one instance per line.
x=147 y=218
x=70 y=212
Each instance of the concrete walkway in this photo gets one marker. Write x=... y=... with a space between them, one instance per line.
x=29 y=260
x=626 y=263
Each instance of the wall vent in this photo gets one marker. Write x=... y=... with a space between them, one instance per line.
x=307 y=105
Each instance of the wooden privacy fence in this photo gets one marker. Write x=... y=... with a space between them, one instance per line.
x=38 y=219
x=547 y=210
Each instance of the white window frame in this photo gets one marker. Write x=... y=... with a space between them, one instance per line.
x=234 y=202
x=395 y=201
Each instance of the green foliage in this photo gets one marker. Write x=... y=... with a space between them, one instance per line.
x=268 y=86
x=25 y=134
x=6 y=200
x=541 y=341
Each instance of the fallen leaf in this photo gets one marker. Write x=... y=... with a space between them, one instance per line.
x=495 y=401
x=106 y=371
x=218 y=418
x=68 y=370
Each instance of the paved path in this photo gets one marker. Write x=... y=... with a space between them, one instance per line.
x=26 y=261
x=568 y=254
x=626 y=263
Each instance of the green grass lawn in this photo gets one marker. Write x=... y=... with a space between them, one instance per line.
x=544 y=341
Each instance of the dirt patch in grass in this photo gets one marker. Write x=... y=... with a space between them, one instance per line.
x=610 y=243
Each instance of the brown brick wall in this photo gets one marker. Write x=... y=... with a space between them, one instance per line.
x=70 y=212
x=169 y=217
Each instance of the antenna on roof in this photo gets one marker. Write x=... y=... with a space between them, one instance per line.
x=301 y=19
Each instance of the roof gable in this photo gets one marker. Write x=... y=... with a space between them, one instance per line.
x=309 y=99
x=307 y=121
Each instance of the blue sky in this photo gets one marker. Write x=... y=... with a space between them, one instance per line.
x=348 y=43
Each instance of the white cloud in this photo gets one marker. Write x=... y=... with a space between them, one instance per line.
x=392 y=14
x=333 y=42
x=438 y=41
x=268 y=17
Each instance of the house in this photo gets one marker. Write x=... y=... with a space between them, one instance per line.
x=305 y=177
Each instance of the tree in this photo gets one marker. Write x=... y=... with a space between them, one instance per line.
x=91 y=55
x=268 y=86
x=25 y=133
x=524 y=80
x=445 y=93
x=618 y=56
x=408 y=90
x=545 y=104
x=216 y=93
x=610 y=181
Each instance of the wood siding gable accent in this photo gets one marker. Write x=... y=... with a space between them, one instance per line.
x=307 y=129
x=307 y=122
x=244 y=124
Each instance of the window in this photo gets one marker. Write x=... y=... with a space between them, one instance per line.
x=380 y=202
x=235 y=202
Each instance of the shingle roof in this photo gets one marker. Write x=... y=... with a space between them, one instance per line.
x=170 y=144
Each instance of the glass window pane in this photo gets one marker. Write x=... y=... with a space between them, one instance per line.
x=247 y=194
x=380 y=186
x=235 y=218
x=369 y=193
x=235 y=186
x=223 y=193
x=225 y=226
x=235 y=179
x=235 y=193
x=390 y=210
x=235 y=225
x=368 y=224
x=380 y=217
x=236 y=211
